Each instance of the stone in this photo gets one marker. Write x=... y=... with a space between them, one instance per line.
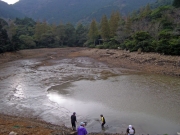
x=12 y=133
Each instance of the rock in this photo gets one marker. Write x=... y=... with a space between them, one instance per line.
x=125 y=55
x=104 y=55
x=73 y=133
x=12 y=133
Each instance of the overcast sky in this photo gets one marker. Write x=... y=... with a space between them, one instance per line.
x=10 y=1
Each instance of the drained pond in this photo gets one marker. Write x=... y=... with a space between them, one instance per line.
x=53 y=90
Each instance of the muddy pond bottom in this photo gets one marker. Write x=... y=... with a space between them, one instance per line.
x=52 y=92
x=150 y=103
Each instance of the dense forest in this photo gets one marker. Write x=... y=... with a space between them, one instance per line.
x=145 y=30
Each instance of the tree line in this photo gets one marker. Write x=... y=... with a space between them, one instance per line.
x=145 y=30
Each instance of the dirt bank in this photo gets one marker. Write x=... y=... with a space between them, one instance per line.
x=146 y=62
x=27 y=126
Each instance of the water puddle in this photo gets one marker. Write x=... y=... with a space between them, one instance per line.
x=148 y=102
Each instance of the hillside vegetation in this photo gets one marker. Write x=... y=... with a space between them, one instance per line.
x=73 y=11
x=55 y=11
x=146 y=30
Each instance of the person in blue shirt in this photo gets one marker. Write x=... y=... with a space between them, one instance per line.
x=81 y=129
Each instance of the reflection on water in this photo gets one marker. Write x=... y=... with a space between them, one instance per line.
x=19 y=92
x=149 y=102
x=57 y=98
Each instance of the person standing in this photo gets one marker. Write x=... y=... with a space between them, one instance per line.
x=102 y=120
x=73 y=121
x=130 y=130
x=81 y=129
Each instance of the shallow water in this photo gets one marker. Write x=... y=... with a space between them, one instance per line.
x=149 y=102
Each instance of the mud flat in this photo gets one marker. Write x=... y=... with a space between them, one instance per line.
x=146 y=62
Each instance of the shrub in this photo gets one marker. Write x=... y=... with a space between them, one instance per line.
x=91 y=46
x=100 y=46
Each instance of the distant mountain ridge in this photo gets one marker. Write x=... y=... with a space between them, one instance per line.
x=75 y=10
x=72 y=11
x=8 y=11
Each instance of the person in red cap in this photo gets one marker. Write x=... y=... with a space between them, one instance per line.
x=73 y=121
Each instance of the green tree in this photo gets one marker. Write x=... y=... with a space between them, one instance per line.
x=60 y=34
x=143 y=41
x=15 y=43
x=24 y=26
x=47 y=39
x=27 y=42
x=93 y=32
x=105 y=31
x=11 y=30
x=176 y=3
x=70 y=35
x=81 y=35
x=145 y=11
x=4 y=40
x=53 y=27
x=163 y=45
x=128 y=26
x=25 y=22
x=114 y=23
x=40 y=29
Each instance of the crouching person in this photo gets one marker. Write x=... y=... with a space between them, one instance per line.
x=81 y=129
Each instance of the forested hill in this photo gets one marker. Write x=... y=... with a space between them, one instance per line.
x=72 y=11
x=147 y=30
x=159 y=3
x=7 y=11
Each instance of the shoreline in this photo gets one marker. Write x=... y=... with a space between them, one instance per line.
x=32 y=126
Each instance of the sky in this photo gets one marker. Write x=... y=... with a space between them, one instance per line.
x=10 y=1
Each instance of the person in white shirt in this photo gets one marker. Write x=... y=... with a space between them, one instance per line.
x=130 y=130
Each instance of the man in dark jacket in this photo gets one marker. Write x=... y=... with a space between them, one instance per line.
x=73 y=121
